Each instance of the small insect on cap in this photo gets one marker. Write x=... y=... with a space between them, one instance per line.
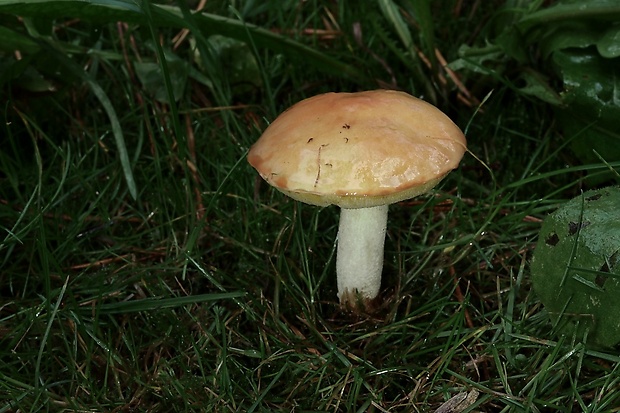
x=358 y=150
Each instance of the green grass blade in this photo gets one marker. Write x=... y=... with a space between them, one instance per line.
x=108 y=107
x=117 y=131
x=44 y=340
x=156 y=303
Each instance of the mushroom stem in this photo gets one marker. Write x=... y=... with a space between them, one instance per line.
x=359 y=258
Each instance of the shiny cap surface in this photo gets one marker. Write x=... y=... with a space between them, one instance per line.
x=358 y=149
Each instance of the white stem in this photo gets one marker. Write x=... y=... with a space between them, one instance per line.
x=359 y=259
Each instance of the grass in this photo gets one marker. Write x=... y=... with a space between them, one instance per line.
x=144 y=266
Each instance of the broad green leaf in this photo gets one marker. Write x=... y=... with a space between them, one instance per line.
x=11 y=40
x=591 y=103
x=484 y=60
x=569 y=11
x=241 y=66
x=567 y=55
x=576 y=266
x=609 y=45
x=152 y=79
x=536 y=84
x=514 y=45
x=102 y=11
x=574 y=35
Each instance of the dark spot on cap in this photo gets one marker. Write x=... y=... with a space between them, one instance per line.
x=278 y=181
x=594 y=197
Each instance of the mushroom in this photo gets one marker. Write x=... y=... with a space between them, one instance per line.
x=361 y=151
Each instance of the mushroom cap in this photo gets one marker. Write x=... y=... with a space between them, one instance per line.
x=358 y=150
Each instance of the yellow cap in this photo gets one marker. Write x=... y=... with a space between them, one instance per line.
x=358 y=150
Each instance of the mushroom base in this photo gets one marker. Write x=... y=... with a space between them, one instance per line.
x=359 y=259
